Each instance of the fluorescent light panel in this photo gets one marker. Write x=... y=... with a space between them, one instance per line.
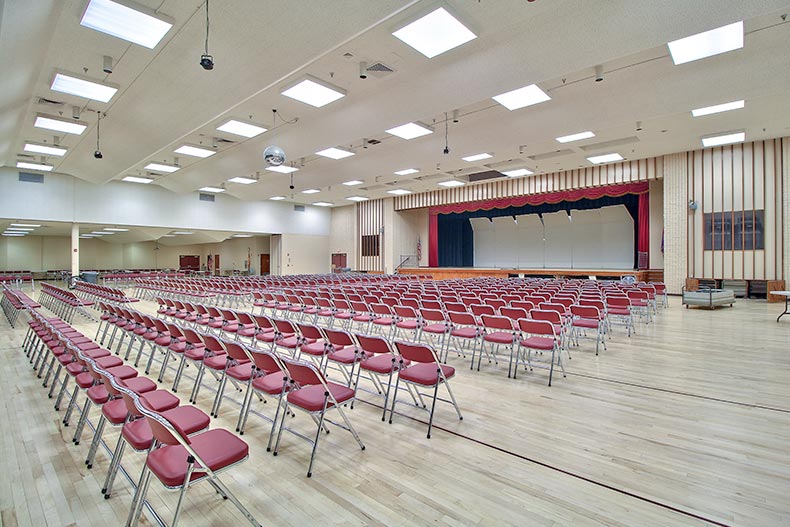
x=34 y=166
x=353 y=182
x=311 y=191
x=182 y=232
x=575 y=137
x=522 y=97
x=282 y=169
x=724 y=139
x=399 y=192
x=34 y=225
x=335 y=153
x=518 y=172
x=703 y=45
x=126 y=23
x=477 y=157
x=11 y=234
x=605 y=158
x=410 y=130
x=215 y=190
x=115 y=229
x=242 y=236
x=135 y=179
x=277 y=198
x=168 y=236
x=435 y=33
x=726 y=107
x=99 y=233
x=159 y=167
x=241 y=128
x=451 y=183
x=20 y=229
x=45 y=149
x=314 y=92
x=242 y=180
x=60 y=125
x=406 y=172
x=194 y=151
x=357 y=198
x=82 y=88
x=323 y=204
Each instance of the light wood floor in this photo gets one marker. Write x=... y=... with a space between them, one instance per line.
x=686 y=423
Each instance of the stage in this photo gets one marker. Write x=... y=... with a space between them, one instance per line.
x=443 y=273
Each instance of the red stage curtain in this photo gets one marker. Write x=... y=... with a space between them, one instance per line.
x=433 y=240
x=643 y=238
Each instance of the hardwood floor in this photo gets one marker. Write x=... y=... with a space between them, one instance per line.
x=685 y=423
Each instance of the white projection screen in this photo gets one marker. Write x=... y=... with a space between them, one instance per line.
x=594 y=239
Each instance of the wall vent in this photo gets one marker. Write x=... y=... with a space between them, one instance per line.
x=299 y=208
x=28 y=177
x=206 y=197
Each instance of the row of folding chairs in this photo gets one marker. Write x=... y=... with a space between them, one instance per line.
x=95 y=292
x=180 y=448
x=63 y=302
x=14 y=302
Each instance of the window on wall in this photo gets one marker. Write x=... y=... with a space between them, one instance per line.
x=370 y=245
x=738 y=230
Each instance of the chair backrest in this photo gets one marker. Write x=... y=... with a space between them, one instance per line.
x=536 y=327
x=581 y=311
x=263 y=322
x=373 y=343
x=160 y=325
x=285 y=327
x=497 y=322
x=342 y=304
x=309 y=331
x=634 y=294
x=381 y=309
x=192 y=336
x=618 y=301
x=432 y=304
x=565 y=301
x=513 y=313
x=456 y=307
x=338 y=337
x=229 y=315
x=595 y=303
x=264 y=360
x=212 y=343
x=432 y=315
x=416 y=352
x=548 y=315
x=523 y=304
x=244 y=318
x=496 y=303
x=552 y=306
x=410 y=302
x=235 y=350
x=303 y=373
x=175 y=331
x=462 y=319
x=482 y=309
x=390 y=301
x=405 y=311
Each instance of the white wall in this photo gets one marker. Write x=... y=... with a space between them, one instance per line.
x=408 y=226
x=304 y=254
x=343 y=233
x=600 y=238
x=67 y=199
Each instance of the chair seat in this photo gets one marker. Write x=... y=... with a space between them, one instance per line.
x=217 y=362
x=196 y=353
x=265 y=336
x=384 y=321
x=160 y=400
x=464 y=333
x=586 y=323
x=123 y=372
x=619 y=311
x=407 y=324
x=115 y=411
x=96 y=353
x=218 y=448
x=246 y=331
x=499 y=337
x=347 y=355
x=98 y=394
x=538 y=343
x=109 y=361
x=138 y=434
x=317 y=348
x=435 y=328
x=271 y=383
x=139 y=384
x=382 y=363
x=241 y=372
x=311 y=398
x=288 y=342
x=425 y=374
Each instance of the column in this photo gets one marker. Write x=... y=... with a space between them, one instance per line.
x=675 y=221
x=75 y=249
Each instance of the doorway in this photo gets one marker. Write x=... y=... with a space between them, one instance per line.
x=216 y=265
x=339 y=261
x=264 y=268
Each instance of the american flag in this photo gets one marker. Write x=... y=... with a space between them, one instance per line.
x=419 y=250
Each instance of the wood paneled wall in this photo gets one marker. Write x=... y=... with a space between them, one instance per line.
x=626 y=172
x=370 y=221
x=736 y=178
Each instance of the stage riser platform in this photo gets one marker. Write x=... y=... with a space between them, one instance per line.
x=445 y=273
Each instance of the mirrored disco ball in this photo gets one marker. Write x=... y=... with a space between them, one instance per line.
x=274 y=156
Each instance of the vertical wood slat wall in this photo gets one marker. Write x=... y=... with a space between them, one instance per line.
x=626 y=172
x=737 y=178
x=370 y=221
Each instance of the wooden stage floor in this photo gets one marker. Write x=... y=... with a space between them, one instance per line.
x=686 y=423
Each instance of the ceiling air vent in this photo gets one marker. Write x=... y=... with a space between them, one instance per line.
x=49 y=102
x=549 y=155
x=606 y=145
x=484 y=176
x=299 y=208
x=206 y=197
x=379 y=69
x=27 y=177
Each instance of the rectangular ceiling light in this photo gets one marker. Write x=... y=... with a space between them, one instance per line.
x=82 y=88
x=242 y=236
x=477 y=157
x=33 y=225
x=323 y=204
x=435 y=33
x=241 y=128
x=399 y=192
x=34 y=166
x=575 y=137
x=406 y=172
x=182 y=232
x=277 y=198
x=357 y=198
x=724 y=139
x=45 y=149
x=522 y=97
x=12 y=234
x=135 y=179
x=707 y=44
x=451 y=183
x=518 y=172
x=314 y=92
x=168 y=236
x=282 y=169
x=20 y=229
x=606 y=158
x=159 y=167
x=726 y=107
x=410 y=130
x=353 y=182
x=311 y=191
x=216 y=190
x=126 y=23
x=335 y=153
x=99 y=233
x=242 y=180
x=60 y=125
x=115 y=229
x=195 y=151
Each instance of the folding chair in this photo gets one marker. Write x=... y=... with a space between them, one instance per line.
x=311 y=392
x=465 y=328
x=584 y=318
x=499 y=331
x=425 y=371
x=378 y=361
x=539 y=335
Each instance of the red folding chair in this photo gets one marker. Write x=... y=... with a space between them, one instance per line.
x=499 y=331
x=539 y=335
x=379 y=361
x=584 y=318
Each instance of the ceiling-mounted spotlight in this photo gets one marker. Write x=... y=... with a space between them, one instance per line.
x=75 y=112
x=446 y=150
x=363 y=70
x=206 y=60
x=97 y=153
x=274 y=155
x=455 y=116
x=107 y=65
x=365 y=143
x=639 y=126
x=598 y=73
